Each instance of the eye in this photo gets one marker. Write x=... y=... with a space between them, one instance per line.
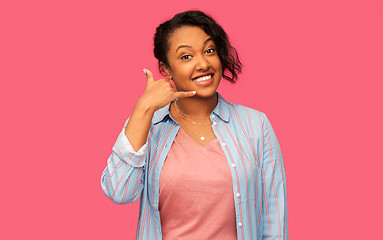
x=186 y=57
x=210 y=50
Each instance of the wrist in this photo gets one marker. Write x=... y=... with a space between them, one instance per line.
x=145 y=106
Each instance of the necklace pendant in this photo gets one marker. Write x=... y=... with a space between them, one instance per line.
x=202 y=138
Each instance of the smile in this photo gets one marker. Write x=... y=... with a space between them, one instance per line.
x=204 y=78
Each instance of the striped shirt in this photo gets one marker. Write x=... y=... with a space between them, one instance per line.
x=253 y=154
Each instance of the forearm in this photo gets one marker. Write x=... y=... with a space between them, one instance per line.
x=138 y=126
x=123 y=178
x=121 y=182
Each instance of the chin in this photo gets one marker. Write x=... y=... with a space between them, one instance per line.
x=206 y=93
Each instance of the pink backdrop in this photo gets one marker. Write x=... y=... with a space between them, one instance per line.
x=71 y=72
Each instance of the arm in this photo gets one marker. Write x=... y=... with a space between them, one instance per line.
x=274 y=200
x=123 y=178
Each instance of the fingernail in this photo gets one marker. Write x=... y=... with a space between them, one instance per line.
x=144 y=70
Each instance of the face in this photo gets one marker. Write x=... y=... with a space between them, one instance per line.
x=194 y=63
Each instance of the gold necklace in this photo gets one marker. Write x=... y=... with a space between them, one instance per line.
x=184 y=116
x=202 y=138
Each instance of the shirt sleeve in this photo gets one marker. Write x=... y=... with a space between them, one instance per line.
x=274 y=200
x=123 y=178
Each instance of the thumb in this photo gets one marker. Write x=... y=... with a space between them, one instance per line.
x=149 y=75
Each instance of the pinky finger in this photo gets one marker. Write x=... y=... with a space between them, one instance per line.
x=185 y=94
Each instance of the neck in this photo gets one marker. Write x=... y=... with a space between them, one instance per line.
x=197 y=107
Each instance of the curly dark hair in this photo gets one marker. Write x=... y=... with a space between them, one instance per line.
x=231 y=65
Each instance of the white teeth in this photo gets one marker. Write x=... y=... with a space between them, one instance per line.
x=204 y=78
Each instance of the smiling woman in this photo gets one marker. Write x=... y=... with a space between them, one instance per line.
x=193 y=62
x=203 y=167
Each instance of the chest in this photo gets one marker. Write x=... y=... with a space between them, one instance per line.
x=240 y=149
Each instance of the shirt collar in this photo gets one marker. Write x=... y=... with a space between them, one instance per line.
x=221 y=110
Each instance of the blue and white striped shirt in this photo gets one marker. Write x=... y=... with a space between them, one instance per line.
x=252 y=151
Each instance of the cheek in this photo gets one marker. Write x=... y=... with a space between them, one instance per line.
x=218 y=67
x=184 y=71
x=217 y=62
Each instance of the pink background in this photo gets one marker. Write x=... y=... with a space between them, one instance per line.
x=71 y=72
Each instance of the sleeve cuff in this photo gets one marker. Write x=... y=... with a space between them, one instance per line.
x=124 y=150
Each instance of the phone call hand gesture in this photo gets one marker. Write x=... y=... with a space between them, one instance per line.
x=159 y=93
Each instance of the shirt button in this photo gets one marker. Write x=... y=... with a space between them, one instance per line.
x=214 y=123
x=224 y=144
x=238 y=194
x=240 y=224
x=233 y=165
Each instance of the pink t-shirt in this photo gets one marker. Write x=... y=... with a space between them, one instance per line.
x=196 y=199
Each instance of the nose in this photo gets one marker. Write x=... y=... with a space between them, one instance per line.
x=202 y=64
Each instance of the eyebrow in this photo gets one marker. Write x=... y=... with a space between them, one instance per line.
x=187 y=46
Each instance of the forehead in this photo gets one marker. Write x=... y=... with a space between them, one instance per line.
x=187 y=35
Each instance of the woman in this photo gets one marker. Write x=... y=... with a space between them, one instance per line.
x=204 y=168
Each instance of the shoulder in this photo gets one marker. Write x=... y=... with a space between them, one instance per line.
x=239 y=111
x=242 y=111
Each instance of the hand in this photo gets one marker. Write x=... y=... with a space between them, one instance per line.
x=160 y=93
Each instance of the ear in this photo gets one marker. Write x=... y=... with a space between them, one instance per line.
x=166 y=70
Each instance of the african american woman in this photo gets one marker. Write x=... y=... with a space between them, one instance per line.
x=204 y=168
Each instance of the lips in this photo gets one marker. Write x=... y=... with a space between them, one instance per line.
x=203 y=78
